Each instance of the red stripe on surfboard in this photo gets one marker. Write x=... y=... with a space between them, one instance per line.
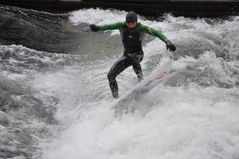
x=161 y=75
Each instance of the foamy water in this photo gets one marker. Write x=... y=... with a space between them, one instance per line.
x=193 y=115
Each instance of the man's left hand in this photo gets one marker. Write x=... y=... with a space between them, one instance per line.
x=170 y=46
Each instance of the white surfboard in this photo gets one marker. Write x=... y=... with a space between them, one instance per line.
x=122 y=105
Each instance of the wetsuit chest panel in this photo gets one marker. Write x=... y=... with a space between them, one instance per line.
x=132 y=40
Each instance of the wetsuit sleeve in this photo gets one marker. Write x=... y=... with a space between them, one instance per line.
x=154 y=32
x=111 y=26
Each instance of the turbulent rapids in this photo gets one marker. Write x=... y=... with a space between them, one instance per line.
x=55 y=102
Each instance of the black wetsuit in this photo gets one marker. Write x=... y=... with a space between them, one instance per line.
x=133 y=55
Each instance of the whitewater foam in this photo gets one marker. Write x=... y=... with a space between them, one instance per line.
x=193 y=115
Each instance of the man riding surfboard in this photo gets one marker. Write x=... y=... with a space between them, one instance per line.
x=132 y=33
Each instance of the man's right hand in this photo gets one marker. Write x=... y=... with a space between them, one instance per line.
x=94 y=28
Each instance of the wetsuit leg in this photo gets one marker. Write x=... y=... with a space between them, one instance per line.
x=137 y=67
x=138 y=70
x=119 y=66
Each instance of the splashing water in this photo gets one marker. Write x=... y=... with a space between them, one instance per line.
x=63 y=104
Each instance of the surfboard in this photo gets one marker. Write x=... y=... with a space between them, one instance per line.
x=122 y=105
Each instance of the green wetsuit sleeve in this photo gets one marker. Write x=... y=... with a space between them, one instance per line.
x=111 y=26
x=154 y=32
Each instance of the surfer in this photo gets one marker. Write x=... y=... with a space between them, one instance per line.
x=132 y=33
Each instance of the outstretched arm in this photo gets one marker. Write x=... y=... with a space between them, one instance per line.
x=107 y=27
x=111 y=26
x=161 y=36
x=156 y=33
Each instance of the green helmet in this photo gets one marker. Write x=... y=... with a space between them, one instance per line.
x=131 y=17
